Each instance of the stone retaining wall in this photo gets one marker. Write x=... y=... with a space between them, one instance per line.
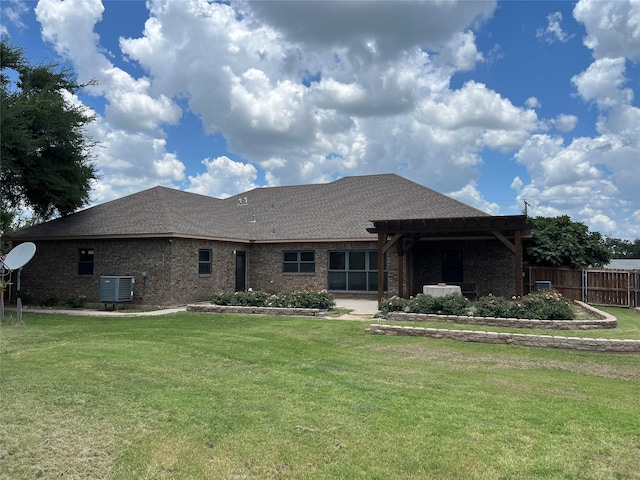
x=604 y=320
x=571 y=343
x=300 y=312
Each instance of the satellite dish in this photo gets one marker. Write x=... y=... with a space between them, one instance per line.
x=19 y=256
x=15 y=260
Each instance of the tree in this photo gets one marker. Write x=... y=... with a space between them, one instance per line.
x=46 y=165
x=560 y=242
x=623 y=248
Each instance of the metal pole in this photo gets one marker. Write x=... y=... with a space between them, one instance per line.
x=18 y=298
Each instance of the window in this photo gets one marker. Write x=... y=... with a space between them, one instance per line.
x=299 y=262
x=204 y=261
x=354 y=270
x=85 y=261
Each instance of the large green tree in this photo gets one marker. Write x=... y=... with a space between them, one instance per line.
x=46 y=163
x=560 y=242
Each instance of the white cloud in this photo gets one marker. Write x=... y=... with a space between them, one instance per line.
x=613 y=27
x=460 y=53
x=600 y=221
x=470 y=195
x=131 y=152
x=554 y=31
x=328 y=25
x=532 y=102
x=602 y=83
x=13 y=11
x=564 y=122
x=223 y=178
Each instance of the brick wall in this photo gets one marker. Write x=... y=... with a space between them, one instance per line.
x=265 y=266
x=487 y=263
x=171 y=268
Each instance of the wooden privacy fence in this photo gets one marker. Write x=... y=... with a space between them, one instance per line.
x=596 y=286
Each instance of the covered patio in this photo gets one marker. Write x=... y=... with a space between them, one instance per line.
x=405 y=235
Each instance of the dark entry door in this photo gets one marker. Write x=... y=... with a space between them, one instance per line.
x=241 y=271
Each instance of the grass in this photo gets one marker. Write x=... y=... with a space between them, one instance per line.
x=191 y=396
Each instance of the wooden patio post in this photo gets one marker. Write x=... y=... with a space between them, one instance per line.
x=400 y=251
x=518 y=262
x=381 y=242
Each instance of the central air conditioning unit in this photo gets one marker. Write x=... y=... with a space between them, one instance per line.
x=116 y=289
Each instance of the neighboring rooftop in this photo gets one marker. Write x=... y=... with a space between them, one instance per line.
x=342 y=209
x=624 y=264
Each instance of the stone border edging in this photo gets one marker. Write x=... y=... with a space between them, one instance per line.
x=570 y=343
x=303 y=312
x=604 y=320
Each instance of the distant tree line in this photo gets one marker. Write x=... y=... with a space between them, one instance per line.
x=623 y=248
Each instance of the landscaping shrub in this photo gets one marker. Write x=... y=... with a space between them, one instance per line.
x=447 y=305
x=491 y=306
x=297 y=299
x=48 y=301
x=76 y=301
x=394 y=304
x=546 y=305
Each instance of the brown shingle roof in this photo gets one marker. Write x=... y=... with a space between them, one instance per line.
x=342 y=209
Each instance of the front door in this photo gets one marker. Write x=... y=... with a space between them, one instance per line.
x=241 y=271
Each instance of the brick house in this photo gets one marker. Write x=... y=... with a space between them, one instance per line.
x=181 y=247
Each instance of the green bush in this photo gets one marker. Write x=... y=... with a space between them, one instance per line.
x=447 y=305
x=546 y=305
x=394 y=304
x=296 y=299
x=491 y=306
x=48 y=301
x=76 y=301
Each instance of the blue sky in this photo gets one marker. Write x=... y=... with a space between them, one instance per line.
x=493 y=103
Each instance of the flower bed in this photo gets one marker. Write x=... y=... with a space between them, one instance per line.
x=602 y=321
x=321 y=300
x=547 y=305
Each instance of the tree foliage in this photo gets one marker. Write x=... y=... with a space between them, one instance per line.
x=46 y=165
x=560 y=242
x=623 y=248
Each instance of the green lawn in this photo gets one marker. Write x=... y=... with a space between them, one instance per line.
x=197 y=396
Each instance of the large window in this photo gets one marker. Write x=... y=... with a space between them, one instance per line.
x=354 y=270
x=85 y=261
x=299 y=262
x=204 y=261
